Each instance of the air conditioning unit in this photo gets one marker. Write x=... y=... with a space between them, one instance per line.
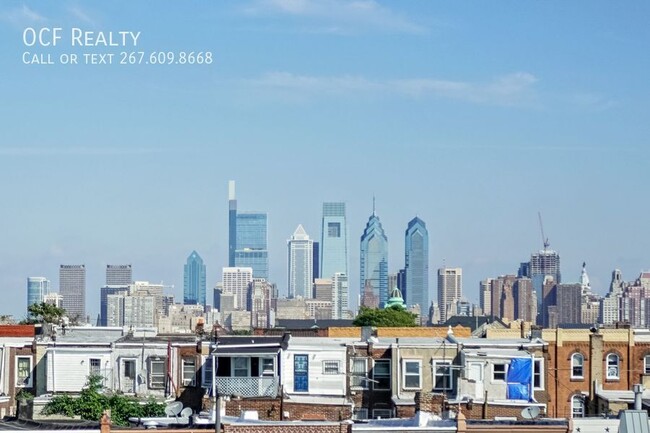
x=188 y=382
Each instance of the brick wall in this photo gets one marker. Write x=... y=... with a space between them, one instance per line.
x=17 y=330
x=369 y=398
x=271 y=409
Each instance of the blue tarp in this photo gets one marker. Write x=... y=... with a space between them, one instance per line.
x=520 y=371
x=517 y=391
x=519 y=378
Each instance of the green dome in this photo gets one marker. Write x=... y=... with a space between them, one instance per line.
x=396 y=299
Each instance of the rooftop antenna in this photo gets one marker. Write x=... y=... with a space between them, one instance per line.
x=373 y=205
x=541 y=227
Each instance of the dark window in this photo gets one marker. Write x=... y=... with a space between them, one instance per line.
x=334 y=230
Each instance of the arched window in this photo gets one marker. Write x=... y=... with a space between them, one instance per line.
x=577 y=406
x=613 y=366
x=577 y=366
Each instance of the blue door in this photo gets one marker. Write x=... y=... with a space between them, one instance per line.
x=300 y=373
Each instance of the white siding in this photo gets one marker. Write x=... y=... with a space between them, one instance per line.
x=319 y=383
x=68 y=369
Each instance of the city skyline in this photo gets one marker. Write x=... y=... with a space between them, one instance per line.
x=474 y=119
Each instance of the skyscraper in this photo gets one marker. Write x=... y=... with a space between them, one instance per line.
x=251 y=243
x=37 y=288
x=235 y=282
x=450 y=287
x=334 y=240
x=72 y=286
x=194 y=280
x=544 y=263
x=104 y=294
x=416 y=259
x=232 y=223
x=340 y=297
x=119 y=275
x=374 y=258
x=301 y=260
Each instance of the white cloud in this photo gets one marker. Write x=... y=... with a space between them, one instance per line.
x=22 y=16
x=82 y=15
x=342 y=16
x=511 y=89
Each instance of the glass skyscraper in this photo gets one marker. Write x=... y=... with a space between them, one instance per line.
x=194 y=280
x=72 y=286
x=251 y=243
x=301 y=264
x=374 y=259
x=416 y=259
x=232 y=223
x=334 y=241
x=37 y=288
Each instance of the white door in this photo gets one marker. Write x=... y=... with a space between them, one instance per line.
x=476 y=374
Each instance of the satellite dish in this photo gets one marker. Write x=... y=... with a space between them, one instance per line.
x=173 y=408
x=530 y=412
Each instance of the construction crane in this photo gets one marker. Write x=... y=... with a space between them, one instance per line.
x=541 y=227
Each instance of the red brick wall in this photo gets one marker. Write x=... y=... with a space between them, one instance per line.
x=369 y=398
x=17 y=331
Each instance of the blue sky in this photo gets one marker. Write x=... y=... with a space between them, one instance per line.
x=472 y=115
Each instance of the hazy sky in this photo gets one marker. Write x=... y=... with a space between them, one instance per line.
x=472 y=115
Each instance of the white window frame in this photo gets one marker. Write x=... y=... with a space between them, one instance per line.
x=360 y=413
x=375 y=383
x=150 y=378
x=233 y=369
x=376 y=413
x=574 y=364
x=363 y=379
x=186 y=381
x=206 y=371
x=580 y=398
x=646 y=364
x=435 y=376
x=90 y=366
x=332 y=363
x=540 y=362
x=505 y=372
x=405 y=373
x=267 y=373
x=27 y=381
x=618 y=366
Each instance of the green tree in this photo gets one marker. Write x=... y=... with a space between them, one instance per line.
x=92 y=402
x=390 y=317
x=44 y=313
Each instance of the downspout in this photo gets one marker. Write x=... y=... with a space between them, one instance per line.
x=557 y=378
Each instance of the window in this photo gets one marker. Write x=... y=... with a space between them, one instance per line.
x=538 y=373
x=577 y=406
x=95 y=366
x=157 y=372
x=646 y=364
x=334 y=230
x=24 y=371
x=189 y=371
x=499 y=372
x=360 y=413
x=240 y=367
x=382 y=413
x=129 y=368
x=330 y=367
x=442 y=375
x=411 y=376
x=268 y=367
x=381 y=375
x=300 y=373
x=612 y=366
x=206 y=376
x=359 y=373
x=577 y=366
